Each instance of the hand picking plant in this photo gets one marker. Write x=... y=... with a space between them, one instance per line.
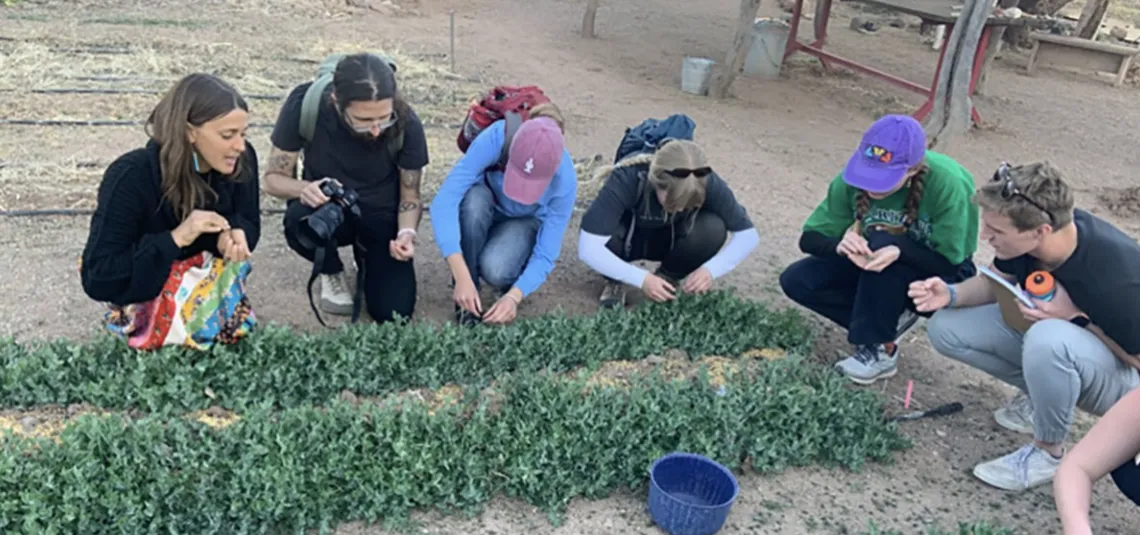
x=278 y=367
x=544 y=438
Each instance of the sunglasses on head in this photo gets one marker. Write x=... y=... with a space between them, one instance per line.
x=1010 y=190
x=681 y=172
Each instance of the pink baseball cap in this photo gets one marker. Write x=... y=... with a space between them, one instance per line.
x=535 y=154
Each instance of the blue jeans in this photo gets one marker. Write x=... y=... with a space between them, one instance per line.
x=495 y=247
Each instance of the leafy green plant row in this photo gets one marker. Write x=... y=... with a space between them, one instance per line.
x=279 y=367
x=542 y=438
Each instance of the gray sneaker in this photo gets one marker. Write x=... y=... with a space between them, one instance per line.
x=1023 y=469
x=907 y=320
x=869 y=363
x=613 y=295
x=1017 y=415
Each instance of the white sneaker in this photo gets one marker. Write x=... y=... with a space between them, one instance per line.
x=335 y=297
x=1023 y=469
x=1017 y=415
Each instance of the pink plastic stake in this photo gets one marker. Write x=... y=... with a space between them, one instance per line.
x=909 y=391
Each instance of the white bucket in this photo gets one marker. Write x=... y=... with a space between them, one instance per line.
x=695 y=75
x=766 y=56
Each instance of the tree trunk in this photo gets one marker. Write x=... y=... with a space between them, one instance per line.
x=1092 y=16
x=589 y=17
x=994 y=48
x=723 y=77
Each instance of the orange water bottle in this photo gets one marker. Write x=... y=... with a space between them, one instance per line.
x=1040 y=285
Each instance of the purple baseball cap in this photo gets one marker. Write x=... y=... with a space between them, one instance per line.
x=889 y=147
x=535 y=154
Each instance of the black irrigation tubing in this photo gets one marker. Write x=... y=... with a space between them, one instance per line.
x=93 y=122
x=130 y=122
x=87 y=211
x=123 y=91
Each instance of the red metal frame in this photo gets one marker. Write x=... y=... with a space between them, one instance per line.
x=816 y=50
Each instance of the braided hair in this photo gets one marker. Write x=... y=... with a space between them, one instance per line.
x=915 y=187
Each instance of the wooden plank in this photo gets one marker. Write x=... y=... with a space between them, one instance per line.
x=1064 y=56
x=723 y=77
x=1076 y=42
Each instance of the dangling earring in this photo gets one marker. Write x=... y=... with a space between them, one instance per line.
x=196 y=168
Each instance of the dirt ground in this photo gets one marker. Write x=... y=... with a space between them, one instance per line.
x=778 y=143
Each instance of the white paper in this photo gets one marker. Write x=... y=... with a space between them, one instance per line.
x=1015 y=290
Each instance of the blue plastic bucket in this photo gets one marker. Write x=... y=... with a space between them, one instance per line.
x=690 y=494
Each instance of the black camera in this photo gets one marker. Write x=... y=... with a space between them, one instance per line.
x=318 y=228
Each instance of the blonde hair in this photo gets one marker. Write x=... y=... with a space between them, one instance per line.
x=550 y=111
x=681 y=194
x=1040 y=181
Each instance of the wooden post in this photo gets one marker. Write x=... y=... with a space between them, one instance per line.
x=724 y=76
x=589 y=17
x=1092 y=16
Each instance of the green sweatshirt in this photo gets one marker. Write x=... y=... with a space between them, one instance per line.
x=947 y=218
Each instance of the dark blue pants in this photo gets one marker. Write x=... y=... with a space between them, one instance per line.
x=1127 y=479
x=866 y=303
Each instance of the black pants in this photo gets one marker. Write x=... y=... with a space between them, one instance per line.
x=389 y=284
x=681 y=249
x=1127 y=479
x=866 y=303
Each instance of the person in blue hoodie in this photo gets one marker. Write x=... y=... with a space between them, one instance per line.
x=505 y=227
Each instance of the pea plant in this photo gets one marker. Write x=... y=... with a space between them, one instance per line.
x=542 y=437
x=280 y=368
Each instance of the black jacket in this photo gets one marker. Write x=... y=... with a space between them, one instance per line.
x=130 y=248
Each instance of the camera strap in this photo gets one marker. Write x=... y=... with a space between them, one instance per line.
x=318 y=263
x=319 y=257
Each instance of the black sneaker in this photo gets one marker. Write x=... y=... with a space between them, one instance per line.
x=613 y=295
x=465 y=318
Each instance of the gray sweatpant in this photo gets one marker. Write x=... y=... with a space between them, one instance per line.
x=1060 y=365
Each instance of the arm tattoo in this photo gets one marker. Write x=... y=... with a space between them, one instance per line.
x=411 y=179
x=408 y=206
x=281 y=163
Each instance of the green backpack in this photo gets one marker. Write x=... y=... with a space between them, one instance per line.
x=317 y=92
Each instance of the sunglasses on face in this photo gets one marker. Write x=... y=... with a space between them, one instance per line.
x=1010 y=190
x=681 y=172
x=363 y=127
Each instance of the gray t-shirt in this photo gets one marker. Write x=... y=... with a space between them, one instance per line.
x=1102 y=277
x=619 y=199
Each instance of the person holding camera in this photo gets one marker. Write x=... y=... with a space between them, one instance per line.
x=176 y=222
x=363 y=164
x=505 y=226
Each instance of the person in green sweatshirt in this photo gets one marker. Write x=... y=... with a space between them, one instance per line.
x=896 y=214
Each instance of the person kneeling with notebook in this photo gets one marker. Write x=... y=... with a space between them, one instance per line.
x=1077 y=349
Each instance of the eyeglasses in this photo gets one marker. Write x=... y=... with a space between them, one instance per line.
x=1010 y=190
x=681 y=172
x=354 y=123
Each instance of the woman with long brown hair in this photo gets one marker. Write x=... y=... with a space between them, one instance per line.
x=896 y=214
x=182 y=209
x=665 y=206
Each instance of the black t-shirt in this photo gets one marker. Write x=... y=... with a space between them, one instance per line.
x=362 y=164
x=130 y=249
x=618 y=201
x=1101 y=276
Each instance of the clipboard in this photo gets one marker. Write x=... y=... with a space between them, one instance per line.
x=1007 y=297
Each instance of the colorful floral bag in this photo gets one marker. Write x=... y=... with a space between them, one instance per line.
x=203 y=303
